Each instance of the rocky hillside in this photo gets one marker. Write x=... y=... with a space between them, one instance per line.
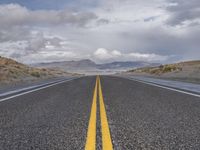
x=13 y=71
x=189 y=71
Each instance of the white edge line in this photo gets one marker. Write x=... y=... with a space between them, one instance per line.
x=17 y=95
x=164 y=87
x=31 y=87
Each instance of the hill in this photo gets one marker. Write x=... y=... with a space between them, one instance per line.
x=187 y=71
x=13 y=71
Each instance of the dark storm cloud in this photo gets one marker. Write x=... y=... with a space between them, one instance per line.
x=14 y=34
x=183 y=10
x=164 y=42
x=102 y=21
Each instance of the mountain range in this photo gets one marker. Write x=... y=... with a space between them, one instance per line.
x=88 y=66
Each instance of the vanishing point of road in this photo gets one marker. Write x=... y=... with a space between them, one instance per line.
x=103 y=112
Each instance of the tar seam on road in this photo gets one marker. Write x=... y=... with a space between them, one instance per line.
x=30 y=91
x=105 y=131
x=164 y=87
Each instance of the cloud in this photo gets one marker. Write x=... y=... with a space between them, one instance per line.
x=45 y=56
x=21 y=16
x=104 y=55
x=102 y=21
x=183 y=12
x=35 y=43
x=157 y=30
x=14 y=33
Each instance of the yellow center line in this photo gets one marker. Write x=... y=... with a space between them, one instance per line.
x=91 y=134
x=106 y=138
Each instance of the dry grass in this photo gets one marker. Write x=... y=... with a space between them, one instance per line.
x=184 y=71
x=162 y=69
x=158 y=70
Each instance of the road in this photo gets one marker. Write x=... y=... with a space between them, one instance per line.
x=122 y=114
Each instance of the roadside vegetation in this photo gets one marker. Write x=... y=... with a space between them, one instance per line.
x=186 y=71
x=159 y=70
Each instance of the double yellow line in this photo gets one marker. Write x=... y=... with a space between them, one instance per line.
x=91 y=134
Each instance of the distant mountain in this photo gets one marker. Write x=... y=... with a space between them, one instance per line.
x=88 y=66
x=125 y=65
x=85 y=64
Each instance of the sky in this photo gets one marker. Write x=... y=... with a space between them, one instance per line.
x=164 y=31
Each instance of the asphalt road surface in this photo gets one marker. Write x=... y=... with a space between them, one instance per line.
x=110 y=113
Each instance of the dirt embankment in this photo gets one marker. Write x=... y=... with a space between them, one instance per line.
x=12 y=71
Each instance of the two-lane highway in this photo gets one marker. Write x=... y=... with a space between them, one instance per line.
x=126 y=114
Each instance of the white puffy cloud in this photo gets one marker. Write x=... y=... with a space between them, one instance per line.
x=104 y=55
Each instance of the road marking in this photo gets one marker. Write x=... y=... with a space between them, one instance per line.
x=164 y=87
x=105 y=131
x=24 y=89
x=106 y=138
x=30 y=91
x=91 y=134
